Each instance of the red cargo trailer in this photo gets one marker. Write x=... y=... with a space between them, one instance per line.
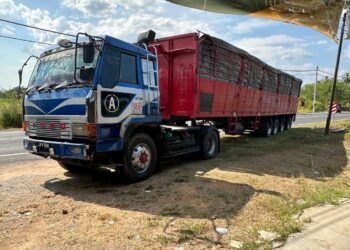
x=203 y=77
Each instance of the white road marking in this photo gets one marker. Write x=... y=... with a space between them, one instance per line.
x=9 y=155
x=10 y=139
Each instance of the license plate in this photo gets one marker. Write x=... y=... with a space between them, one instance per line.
x=43 y=145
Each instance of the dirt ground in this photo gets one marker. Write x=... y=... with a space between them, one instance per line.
x=254 y=184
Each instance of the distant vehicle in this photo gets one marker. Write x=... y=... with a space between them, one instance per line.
x=105 y=102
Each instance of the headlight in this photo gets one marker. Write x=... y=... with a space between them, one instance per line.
x=84 y=130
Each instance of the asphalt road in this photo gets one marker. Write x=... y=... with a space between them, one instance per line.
x=11 y=149
x=319 y=117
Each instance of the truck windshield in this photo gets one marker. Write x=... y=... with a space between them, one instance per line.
x=57 y=68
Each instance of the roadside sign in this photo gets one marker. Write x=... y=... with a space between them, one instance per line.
x=334 y=108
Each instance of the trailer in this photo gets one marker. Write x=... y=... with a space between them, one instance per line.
x=202 y=77
x=105 y=102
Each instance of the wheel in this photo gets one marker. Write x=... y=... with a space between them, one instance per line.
x=140 y=158
x=210 y=144
x=282 y=125
x=276 y=126
x=71 y=167
x=265 y=129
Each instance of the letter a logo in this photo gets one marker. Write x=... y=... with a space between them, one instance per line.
x=111 y=103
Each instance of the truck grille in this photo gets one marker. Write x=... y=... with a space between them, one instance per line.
x=50 y=128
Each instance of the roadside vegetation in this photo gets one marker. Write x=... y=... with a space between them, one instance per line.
x=324 y=87
x=10 y=109
x=255 y=184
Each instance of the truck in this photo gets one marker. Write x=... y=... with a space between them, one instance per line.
x=99 y=101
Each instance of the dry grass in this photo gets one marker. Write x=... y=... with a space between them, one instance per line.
x=254 y=184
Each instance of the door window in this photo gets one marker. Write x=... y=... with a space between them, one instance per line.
x=117 y=67
x=151 y=68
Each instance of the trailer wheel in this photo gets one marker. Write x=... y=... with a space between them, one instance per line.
x=71 y=167
x=289 y=123
x=282 y=125
x=140 y=157
x=265 y=129
x=210 y=144
x=276 y=126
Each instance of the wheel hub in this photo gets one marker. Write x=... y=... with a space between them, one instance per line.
x=141 y=158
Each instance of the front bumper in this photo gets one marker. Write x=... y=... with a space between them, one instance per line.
x=63 y=150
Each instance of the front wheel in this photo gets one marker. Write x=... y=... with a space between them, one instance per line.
x=210 y=144
x=140 y=158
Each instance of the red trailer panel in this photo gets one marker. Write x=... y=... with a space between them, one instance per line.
x=204 y=77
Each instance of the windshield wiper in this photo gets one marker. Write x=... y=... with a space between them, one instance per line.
x=67 y=84
x=47 y=86
x=63 y=84
x=32 y=89
x=43 y=87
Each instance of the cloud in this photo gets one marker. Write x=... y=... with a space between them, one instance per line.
x=103 y=8
x=321 y=42
x=7 y=30
x=92 y=7
x=252 y=24
x=274 y=49
x=125 y=19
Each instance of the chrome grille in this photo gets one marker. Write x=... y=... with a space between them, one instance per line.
x=50 y=128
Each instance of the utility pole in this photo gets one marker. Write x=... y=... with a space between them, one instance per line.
x=328 y=124
x=315 y=88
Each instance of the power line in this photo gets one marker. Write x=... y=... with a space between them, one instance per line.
x=33 y=27
x=298 y=70
x=24 y=40
x=307 y=70
x=325 y=72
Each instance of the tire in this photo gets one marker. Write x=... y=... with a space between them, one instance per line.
x=289 y=123
x=71 y=167
x=140 y=158
x=282 y=125
x=210 y=144
x=276 y=126
x=265 y=129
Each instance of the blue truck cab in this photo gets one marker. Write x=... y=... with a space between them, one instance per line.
x=96 y=103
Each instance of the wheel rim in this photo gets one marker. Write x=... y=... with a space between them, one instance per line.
x=141 y=158
x=210 y=145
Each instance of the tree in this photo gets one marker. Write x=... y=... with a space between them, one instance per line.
x=324 y=87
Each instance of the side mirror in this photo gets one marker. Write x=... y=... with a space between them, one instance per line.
x=88 y=52
x=87 y=73
x=19 y=94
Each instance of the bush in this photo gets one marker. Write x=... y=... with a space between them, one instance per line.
x=10 y=113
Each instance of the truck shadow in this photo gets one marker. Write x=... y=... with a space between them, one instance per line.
x=180 y=191
x=183 y=188
x=299 y=152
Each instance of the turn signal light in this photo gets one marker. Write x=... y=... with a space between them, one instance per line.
x=24 y=125
x=91 y=129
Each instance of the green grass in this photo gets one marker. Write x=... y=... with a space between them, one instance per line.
x=193 y=229
x=10 y=113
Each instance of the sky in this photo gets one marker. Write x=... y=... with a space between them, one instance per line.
x=282 y=45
